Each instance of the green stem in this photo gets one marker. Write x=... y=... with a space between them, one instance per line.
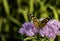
x=31 y=5
x=6 y=22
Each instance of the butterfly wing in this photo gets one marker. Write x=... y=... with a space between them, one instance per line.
x=36 y=21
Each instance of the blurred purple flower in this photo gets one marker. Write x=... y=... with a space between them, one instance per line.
x=28 y=25
x=51 y=29
x=28 y=29
x=22 y=30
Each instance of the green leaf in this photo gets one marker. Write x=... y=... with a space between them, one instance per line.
x=51 y=39
x=29 y=38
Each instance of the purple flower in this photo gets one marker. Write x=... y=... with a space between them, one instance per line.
x=22 y=30
x=51 y=29
x=51 y=35
x=28 y=29
x=28 y=25
x=30 y=33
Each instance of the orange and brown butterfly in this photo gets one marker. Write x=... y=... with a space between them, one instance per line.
x=39 y=24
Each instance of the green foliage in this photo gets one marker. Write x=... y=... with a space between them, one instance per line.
x=13 y=13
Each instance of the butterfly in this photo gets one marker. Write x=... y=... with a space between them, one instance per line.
x=39 y=24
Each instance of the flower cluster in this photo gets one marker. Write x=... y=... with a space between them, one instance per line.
x=28 y=29
x=50 y=30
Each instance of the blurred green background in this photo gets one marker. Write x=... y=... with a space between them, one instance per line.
x=13 y=13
